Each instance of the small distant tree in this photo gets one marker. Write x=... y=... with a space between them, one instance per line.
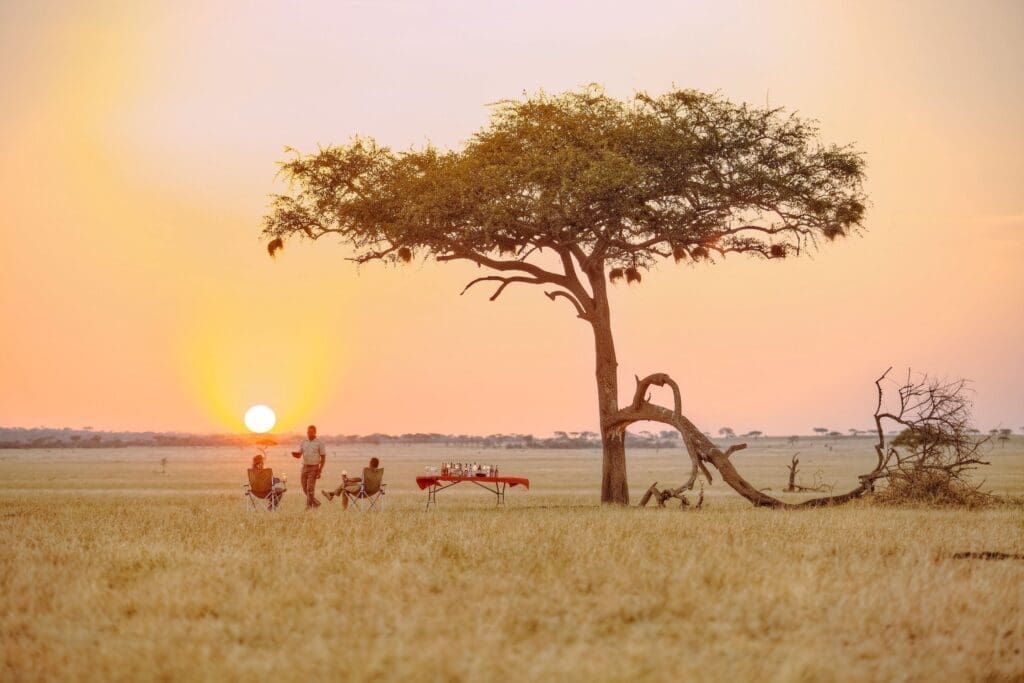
x=1004 y=436
x=756 y=433
x=571 y=193
x=163 y=465
x=821 y=430
x=793 y=439
x=727 y=433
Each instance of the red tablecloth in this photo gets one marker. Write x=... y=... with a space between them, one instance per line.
x=429 y=480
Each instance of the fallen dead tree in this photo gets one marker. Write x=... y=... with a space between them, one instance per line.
x=934 y=415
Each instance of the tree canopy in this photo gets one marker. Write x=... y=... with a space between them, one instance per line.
x=597 y=180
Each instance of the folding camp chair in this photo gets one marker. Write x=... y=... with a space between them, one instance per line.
x=371 y=490
x=261 y=487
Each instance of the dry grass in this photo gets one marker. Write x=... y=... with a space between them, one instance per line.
x=114 y=571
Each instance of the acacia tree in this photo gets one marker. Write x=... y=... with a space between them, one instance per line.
x=570 y=192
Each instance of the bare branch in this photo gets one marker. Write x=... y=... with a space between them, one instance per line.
x=505 y=282
x=732 y=449
x=541 y=275
x=580 y=312
x=658 y=379
x=936 y=437
x=701 y=449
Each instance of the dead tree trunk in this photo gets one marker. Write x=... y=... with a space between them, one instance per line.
x=793 y=487
x=701 y=450
x=934 y=413
x=792 y=473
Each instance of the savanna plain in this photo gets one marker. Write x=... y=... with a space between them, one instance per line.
x=116 y=570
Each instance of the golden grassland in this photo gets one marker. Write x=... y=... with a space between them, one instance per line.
x=113 y=570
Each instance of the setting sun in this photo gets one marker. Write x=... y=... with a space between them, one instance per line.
x=260 y=419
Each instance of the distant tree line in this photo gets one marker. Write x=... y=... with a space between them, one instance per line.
x=46 y=437
x=49 y=438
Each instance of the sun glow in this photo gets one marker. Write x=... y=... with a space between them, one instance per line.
x=260 y=419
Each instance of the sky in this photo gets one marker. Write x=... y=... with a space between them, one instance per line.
x=139 y=143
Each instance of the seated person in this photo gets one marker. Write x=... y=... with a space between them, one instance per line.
x=263 y=483
x=351 y=485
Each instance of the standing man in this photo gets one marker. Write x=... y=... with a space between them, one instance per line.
x=314 y=455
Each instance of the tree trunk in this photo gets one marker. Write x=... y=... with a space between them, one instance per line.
x=614 y=487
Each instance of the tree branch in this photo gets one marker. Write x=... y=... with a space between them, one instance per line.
x=658 y=379
x=542 y=276
x=580 y=312
x=733 y=448
x=505 y=282
x=573 y=282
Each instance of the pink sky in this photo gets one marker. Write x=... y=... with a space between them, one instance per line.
x=138 y=147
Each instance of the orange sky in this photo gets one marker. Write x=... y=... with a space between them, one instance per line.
x=137 y=149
